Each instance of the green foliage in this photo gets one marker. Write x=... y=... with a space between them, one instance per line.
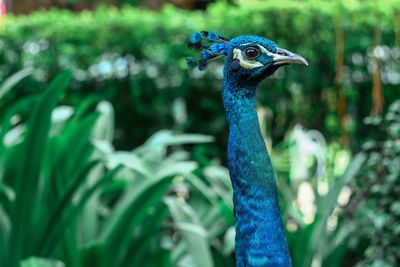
x=135 y=59
x=13 y=80
x=317 y=229
x=376 y=204
x=67 y=195
x=38 y=262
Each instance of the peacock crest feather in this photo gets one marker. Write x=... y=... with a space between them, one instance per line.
x=211 y=46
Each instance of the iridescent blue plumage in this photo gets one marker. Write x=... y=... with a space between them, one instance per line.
x=211 y=45
x=212 y=36
x=190 y=62
x=218 y=48
x=196 y=37
x=260 y=238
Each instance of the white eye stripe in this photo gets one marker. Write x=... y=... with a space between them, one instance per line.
x=247 y=64
x=264 y=50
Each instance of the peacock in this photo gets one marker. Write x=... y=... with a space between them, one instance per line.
x=260 y=239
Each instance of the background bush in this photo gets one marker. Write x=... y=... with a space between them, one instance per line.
x=135 y=58
x=376 y=205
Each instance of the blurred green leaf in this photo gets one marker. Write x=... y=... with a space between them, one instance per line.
x=130 y=212
x=72 y=211
x=192 y=232
x=28 y=181
x=39 y=262
x=8 y=84
x=167 y=138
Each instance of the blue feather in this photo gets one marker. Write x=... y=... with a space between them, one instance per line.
x=212 y=36
x=190 y=62
x=205 y=55
x=196 y=37
x=219 y=48
x=211 y=46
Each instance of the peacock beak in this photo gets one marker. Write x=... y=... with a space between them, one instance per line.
x=284 y=57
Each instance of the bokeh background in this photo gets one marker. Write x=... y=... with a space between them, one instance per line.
x=112 y=151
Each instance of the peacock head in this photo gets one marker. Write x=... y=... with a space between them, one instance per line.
x=249 y=59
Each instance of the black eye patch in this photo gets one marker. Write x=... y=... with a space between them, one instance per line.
x=235 y=64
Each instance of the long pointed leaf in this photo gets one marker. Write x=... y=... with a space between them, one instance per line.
x=62 y=203
x=27 y=181
x=13 y=80
x=130 y=212
x=192 y=231
x=72 y=212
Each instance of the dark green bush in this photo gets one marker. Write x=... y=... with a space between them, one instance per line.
x=135 y=58
x=376 y=202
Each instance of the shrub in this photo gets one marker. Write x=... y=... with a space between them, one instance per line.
x=376 y=205
x=135 y=58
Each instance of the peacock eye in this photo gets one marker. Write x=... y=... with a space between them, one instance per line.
x=251 y=52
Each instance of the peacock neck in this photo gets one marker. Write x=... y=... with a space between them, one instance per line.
x=260 y=238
